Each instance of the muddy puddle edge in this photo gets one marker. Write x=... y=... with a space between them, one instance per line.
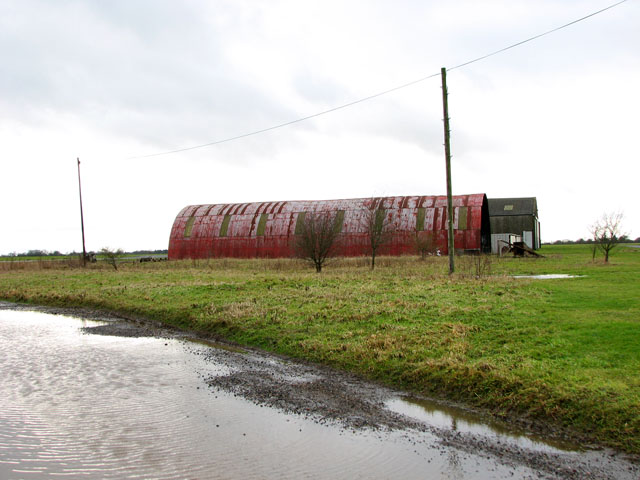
x=129 y=326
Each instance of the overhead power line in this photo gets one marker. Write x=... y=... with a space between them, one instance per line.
x=298 y=120
x=530 y=39
x=379 y=94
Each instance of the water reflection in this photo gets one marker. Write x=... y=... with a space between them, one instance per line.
x=459 y=420
x=549 y=276
x=94 y=406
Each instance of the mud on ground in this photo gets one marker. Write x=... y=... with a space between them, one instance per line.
x=333 y=397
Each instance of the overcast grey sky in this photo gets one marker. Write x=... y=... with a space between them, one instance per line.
x=556 y=118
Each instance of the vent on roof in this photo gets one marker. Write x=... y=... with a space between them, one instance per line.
x=262 y=224
x=337 y=226
x=300 y=223
x=508 y=207
x=188 y=227
x=380 y=213
x=225 y=225
x=420 y=219
x=462 y=218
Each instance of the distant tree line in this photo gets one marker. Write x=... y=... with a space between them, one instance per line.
x=589 y=241
x=57 y=253
x=36 y=253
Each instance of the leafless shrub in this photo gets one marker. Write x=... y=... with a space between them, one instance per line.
x=482 y=263
x=73 y=261
x=424 y=243
x=378 y=227
x=476 y=265
x=316 y=239
x=111 y=256
x=606 y=232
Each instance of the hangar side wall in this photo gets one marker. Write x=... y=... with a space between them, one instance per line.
x=268 y=229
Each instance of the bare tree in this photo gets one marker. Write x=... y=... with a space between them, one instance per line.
x=607 y=231
x=111 y=256
x=378 y=227
x=424 y=243
x=316 y=237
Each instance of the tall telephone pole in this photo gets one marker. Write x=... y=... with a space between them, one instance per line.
x=84 y=251
x=447 y=152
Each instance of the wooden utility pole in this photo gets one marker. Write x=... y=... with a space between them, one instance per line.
x=447 y=152
x=84 y=251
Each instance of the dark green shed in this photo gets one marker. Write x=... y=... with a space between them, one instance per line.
x=516 y=215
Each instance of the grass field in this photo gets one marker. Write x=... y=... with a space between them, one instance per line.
x=564 y=350
x=70 y=260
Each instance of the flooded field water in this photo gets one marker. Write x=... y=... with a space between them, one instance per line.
x=77 y=405
x=548 y=276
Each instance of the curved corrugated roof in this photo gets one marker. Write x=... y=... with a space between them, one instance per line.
x=267 y=229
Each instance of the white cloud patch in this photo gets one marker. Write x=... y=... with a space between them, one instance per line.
x=555 y=118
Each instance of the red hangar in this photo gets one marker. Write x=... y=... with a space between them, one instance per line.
x=268 y=229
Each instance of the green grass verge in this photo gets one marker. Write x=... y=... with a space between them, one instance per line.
x=566 y=350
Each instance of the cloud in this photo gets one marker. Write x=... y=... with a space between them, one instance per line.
x=109 y=80
x=155 y=72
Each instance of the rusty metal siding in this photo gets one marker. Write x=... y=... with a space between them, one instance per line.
x=278 y=229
